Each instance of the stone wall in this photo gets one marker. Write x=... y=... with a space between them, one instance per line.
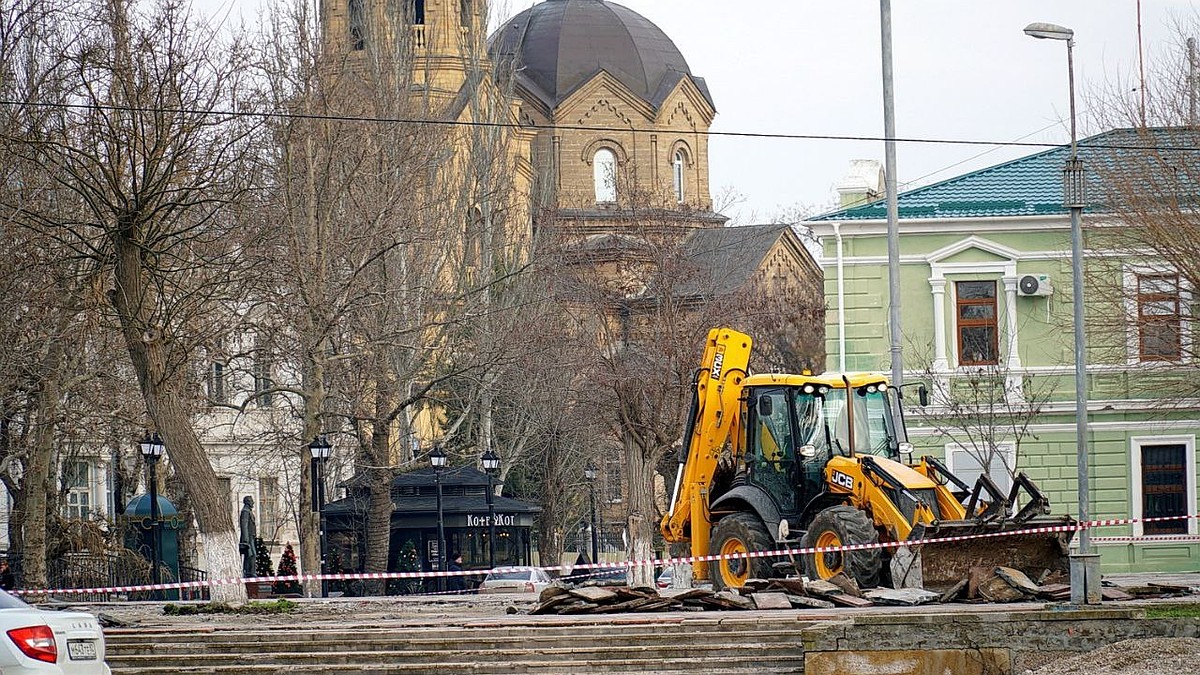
x=994 y=643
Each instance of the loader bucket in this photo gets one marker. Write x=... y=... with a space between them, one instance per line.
x=939 y=565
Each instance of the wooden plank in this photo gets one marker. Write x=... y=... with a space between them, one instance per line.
x=846 y=600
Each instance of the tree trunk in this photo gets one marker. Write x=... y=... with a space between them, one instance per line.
x=379 y=508
x=163 y=388
x=639 y=493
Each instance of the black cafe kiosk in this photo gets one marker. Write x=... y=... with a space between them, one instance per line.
x=414 y=527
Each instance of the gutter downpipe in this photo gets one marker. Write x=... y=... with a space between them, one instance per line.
x=841 y=300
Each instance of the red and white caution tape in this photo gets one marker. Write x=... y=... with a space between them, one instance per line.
x=626 y=564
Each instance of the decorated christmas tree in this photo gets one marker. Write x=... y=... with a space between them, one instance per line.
x=262 y=559
x=287 y=568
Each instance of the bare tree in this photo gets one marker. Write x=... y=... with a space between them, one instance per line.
x=986 y=411
x=156 y=173
x=643 y=297
x=1143 y=176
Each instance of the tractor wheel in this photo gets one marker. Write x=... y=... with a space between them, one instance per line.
x=734 y=537
x=843 y=526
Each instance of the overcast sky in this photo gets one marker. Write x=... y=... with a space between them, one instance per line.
x=963 y=70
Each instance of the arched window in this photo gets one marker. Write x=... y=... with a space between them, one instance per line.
x=677 y=172
x=604 y=168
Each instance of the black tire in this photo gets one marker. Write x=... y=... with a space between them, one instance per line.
x=739 y=532
x=843 y=525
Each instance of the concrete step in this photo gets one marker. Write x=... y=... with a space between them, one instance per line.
x=597 y=653
x=745 y=663
x=661 y=644
x=392 y=641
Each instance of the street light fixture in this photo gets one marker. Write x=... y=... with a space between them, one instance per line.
x=491 y=466
x=437 y=458
x=590 y=474
x=320 y=449
x=152 y=449
x=1085 y=565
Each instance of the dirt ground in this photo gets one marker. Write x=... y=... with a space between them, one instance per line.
x=1154 y=656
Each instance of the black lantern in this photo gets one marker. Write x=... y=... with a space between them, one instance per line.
x=152 y=449
x=491 y=466
x=590 y=474
x=437 y=458
x=320 y=450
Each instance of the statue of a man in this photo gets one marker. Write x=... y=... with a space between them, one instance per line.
x=249 y=532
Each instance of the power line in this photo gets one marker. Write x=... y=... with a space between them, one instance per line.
x=560 y=127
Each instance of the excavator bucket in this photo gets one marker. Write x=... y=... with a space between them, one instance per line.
x=936 y=557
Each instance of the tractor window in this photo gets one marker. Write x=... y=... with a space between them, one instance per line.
x=872 y=422
x=774 y=432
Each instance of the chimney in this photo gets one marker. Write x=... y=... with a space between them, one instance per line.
x=862 y=183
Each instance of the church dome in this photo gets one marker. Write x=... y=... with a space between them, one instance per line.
x=558 y=45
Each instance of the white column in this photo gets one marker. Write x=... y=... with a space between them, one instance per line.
x=1014 y=381
x=938 y=285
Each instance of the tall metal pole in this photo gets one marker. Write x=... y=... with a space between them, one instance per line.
x=319 y=480
x=1085 y=573
x=155 y=531
x=441 y=562
x=491 y=503
x=595 y=527
x=893 y=207
x=1085 y=565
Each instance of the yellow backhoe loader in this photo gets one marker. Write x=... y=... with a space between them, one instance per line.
x=777 y=461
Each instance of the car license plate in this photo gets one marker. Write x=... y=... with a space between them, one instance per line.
x=81 y=650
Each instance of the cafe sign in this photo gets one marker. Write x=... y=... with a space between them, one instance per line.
x=502 y=520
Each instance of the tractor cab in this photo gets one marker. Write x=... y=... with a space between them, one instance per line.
x=796 y=423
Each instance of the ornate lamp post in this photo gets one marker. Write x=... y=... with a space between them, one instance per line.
x=491 y=466
x=437 y=458
x=152 y=449
x=320 y=450
x=1085 y=565
x=590 y=474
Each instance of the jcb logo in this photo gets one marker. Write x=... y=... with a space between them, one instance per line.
x=843 y=480
x=718 y=360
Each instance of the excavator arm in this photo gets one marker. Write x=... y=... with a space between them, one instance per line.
x=713 y=417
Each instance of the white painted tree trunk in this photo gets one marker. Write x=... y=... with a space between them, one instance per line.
x=218 y=547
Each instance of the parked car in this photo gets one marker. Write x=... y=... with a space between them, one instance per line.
x=38 y=642
x=515 y=580
x=664 y=579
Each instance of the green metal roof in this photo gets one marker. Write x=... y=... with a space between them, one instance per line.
x=1027 y=186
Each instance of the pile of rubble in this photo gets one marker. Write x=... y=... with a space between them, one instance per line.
x=999 y=584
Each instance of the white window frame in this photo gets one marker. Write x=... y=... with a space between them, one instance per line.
x=1006 y=449
x=268 y=508
x=678 y=162
x=1129 y=284
x=1135 y=478
x=74 y=510
x=604 y=175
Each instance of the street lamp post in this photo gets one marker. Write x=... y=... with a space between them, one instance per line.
x=152 y=449
x=437 y=457
x=320 y=450
x=1085 y=565
x=590 y=474
x=491 y=465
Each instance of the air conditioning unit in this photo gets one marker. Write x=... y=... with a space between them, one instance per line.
x=1034 y=285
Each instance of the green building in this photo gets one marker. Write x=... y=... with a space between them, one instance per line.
x=985 y=276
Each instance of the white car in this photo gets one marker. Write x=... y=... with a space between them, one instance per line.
x=34 y=641
x=514 y=580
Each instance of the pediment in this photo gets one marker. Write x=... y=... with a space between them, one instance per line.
x=602 y=86
x=686 y=106
x=973 y=249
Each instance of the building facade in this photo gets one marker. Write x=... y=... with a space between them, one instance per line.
x=985 y=277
